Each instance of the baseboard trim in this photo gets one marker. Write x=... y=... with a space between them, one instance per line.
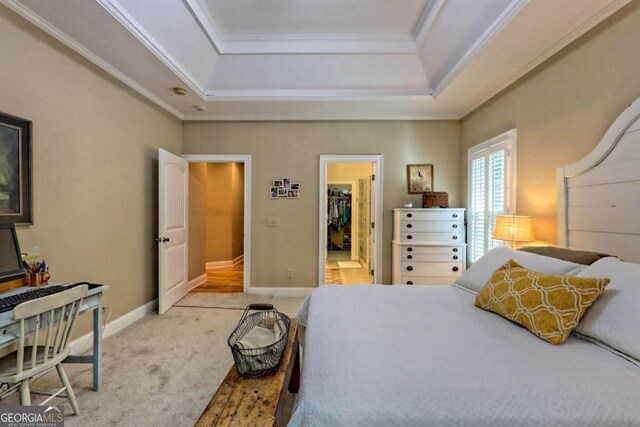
x=197 y=281
x=281 y=292
x=85 y=342
x=226 y=263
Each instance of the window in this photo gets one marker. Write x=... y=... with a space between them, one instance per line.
x=492 y=178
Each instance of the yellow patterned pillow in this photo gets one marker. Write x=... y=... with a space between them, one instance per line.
x=549 y=306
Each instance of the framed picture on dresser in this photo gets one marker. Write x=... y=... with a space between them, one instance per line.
x=15 y=170
x=419 y=178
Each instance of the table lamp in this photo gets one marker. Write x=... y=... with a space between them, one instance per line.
x=513 y=228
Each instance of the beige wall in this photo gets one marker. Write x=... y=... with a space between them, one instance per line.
x=197 y=219
x=293 y=149
x=561 y=111
x=94 y=165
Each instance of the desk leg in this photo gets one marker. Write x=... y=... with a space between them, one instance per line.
x=97 y=346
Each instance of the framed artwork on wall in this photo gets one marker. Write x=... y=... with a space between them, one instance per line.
x=419 y=178
x=16 y=204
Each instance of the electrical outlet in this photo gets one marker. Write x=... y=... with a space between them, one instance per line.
x=289 y=273
x=273 y=221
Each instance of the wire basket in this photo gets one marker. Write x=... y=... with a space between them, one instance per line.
x=258 y=362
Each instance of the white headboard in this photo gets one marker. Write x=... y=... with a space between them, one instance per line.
x=599 y=196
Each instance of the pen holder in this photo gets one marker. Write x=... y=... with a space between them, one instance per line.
x=37 y=279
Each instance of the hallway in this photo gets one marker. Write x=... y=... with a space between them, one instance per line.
x=224 y=279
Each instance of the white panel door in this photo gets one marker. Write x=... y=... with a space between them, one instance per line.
x=173 y=185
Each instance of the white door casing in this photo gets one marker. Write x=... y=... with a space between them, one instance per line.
x=173 y=193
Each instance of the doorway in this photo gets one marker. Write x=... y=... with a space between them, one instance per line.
x=216 y=229
x=219 y=222
x=349 y=238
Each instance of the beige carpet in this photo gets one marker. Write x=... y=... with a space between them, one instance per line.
x=162 y=370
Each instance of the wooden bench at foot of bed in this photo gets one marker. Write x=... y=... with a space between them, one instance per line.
x=244 y=401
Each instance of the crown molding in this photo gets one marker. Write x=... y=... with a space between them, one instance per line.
x=127 y=21
x=314 y=118
x=429 y=16
x=315 y=94
x=494 y=29
x=312 y=43
x=54 y=32
x=315 y=44
x=594 y=20
x=200 y=14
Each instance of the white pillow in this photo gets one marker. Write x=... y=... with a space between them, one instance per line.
x=614 y=318
x=481 y=271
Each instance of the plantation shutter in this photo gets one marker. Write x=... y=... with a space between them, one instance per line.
x=489 y=192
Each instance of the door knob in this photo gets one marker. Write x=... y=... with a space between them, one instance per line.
x=455 y=269
x=162 y=239
x=409 y=256
x=410 y=268
x=409 y=225
x=409 y=282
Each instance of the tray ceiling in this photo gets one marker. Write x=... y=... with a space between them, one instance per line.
x=317 y=60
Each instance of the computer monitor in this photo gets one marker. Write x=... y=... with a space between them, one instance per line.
x=10 y=255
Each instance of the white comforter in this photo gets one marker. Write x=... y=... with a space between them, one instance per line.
x=425 y=356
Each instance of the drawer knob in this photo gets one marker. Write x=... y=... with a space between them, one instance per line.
x=410 y=268
x=409 y=225
x=409 y=282
x=409 y=237
x=455 y=237
x=455 y=268
x=409 y=215
x=455 y=215
x=455 y=225
x=409 y=256
x=409 y=249
x=455 y=257
x=455 y=249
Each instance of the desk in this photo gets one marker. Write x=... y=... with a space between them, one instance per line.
x=9 y=330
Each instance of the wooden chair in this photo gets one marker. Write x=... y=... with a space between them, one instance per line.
x=57 y=314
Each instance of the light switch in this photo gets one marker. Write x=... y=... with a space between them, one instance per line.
x=273 y=221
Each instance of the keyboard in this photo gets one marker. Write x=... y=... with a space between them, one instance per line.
x=8 y=303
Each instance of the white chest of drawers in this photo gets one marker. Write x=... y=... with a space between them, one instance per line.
x=428 y=246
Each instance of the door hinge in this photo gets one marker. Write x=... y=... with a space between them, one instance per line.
x=372 y=272
x=373 y=225
x=373 y=177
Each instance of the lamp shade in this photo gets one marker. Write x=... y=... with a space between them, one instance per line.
x=514 y=228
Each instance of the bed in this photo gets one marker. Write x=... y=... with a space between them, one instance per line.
x=380 y=355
